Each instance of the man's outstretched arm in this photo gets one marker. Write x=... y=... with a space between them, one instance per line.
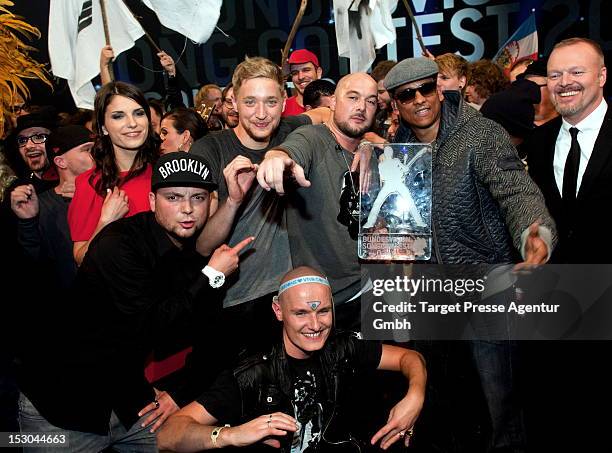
x=190 y=430
x=272 y=171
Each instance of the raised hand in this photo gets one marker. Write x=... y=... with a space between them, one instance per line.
x=24 y=201
x=167 y=63
x=106 y=55
x=239 y=175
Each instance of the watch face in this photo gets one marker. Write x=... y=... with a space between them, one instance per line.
x=218 y=281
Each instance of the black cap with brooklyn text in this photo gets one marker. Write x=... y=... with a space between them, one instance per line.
x=181 y=169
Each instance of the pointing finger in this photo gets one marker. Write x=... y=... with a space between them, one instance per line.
x=298 y=173
x=261 y=179
x=242 y=244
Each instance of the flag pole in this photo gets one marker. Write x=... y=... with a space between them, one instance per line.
x=147 y=35
x=416 y=28
x=107 y=37
x=294 y=27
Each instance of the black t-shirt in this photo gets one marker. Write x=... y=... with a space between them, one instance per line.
x=224 y=402
x=261 y=215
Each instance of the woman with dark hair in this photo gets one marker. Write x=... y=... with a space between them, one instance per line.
x=120 y=181
x=180 y=128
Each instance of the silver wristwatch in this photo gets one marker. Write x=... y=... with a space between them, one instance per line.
x=215 y=278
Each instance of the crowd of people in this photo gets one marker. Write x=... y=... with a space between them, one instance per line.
x=190 y=279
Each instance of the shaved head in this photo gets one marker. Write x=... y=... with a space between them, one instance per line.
x=306 y=311
x=297 y=273
x=355 y=104
x=357 y=77
x=300 y=272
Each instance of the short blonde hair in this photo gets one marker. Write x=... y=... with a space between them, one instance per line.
x=573 y=41
x=255 y=67
x=200 y=96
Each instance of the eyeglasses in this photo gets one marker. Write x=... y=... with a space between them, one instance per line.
x=407 y=95
x=36 y=138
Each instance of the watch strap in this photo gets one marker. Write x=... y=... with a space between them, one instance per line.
x=215 y=434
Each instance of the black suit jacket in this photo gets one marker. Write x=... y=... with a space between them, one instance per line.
x=584 y=236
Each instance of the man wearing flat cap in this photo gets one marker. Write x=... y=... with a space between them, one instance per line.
x=485 y=210
x=141 y=277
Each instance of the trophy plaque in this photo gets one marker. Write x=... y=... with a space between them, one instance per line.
x=395 y=201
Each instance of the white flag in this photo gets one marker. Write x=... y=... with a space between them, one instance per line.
x=195 y=19
x=366 y=27
x=76 y=37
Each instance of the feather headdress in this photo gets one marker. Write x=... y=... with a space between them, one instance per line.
x=15 y=61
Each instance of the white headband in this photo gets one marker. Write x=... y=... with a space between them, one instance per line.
x=301 y=280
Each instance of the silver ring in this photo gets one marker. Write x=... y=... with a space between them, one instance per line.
x=270 y=417
x=156 y=404
x=269 y=421
x=401 y=434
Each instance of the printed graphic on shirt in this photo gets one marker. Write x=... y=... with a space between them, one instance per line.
x=308 y=412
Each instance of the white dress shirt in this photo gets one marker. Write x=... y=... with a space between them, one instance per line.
x=587 y=135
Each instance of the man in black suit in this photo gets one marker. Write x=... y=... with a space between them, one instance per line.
x=570 y=158
x=575 y=174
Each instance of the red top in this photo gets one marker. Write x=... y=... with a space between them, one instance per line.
x=292 y=107
x=86 y=206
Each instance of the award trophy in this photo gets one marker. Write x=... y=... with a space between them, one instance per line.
x=395 y=201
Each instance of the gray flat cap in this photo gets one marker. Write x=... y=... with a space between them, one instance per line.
x=409 y=70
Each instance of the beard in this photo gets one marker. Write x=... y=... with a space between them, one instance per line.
x=353 y=131
x=568 y=110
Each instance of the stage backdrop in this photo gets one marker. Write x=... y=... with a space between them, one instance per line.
x=474 y=28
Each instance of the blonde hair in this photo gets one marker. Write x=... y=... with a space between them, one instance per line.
x=454 y=64
x=572 y=41
x=200 y=96
x=255 y=67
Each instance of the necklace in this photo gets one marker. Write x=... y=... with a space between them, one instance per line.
x=349 y=199
x=340 y=149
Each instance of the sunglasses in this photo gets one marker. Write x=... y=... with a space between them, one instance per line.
x=407 y=95
x=36 y=138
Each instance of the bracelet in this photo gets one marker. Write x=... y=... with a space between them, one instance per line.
x=215 y=433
